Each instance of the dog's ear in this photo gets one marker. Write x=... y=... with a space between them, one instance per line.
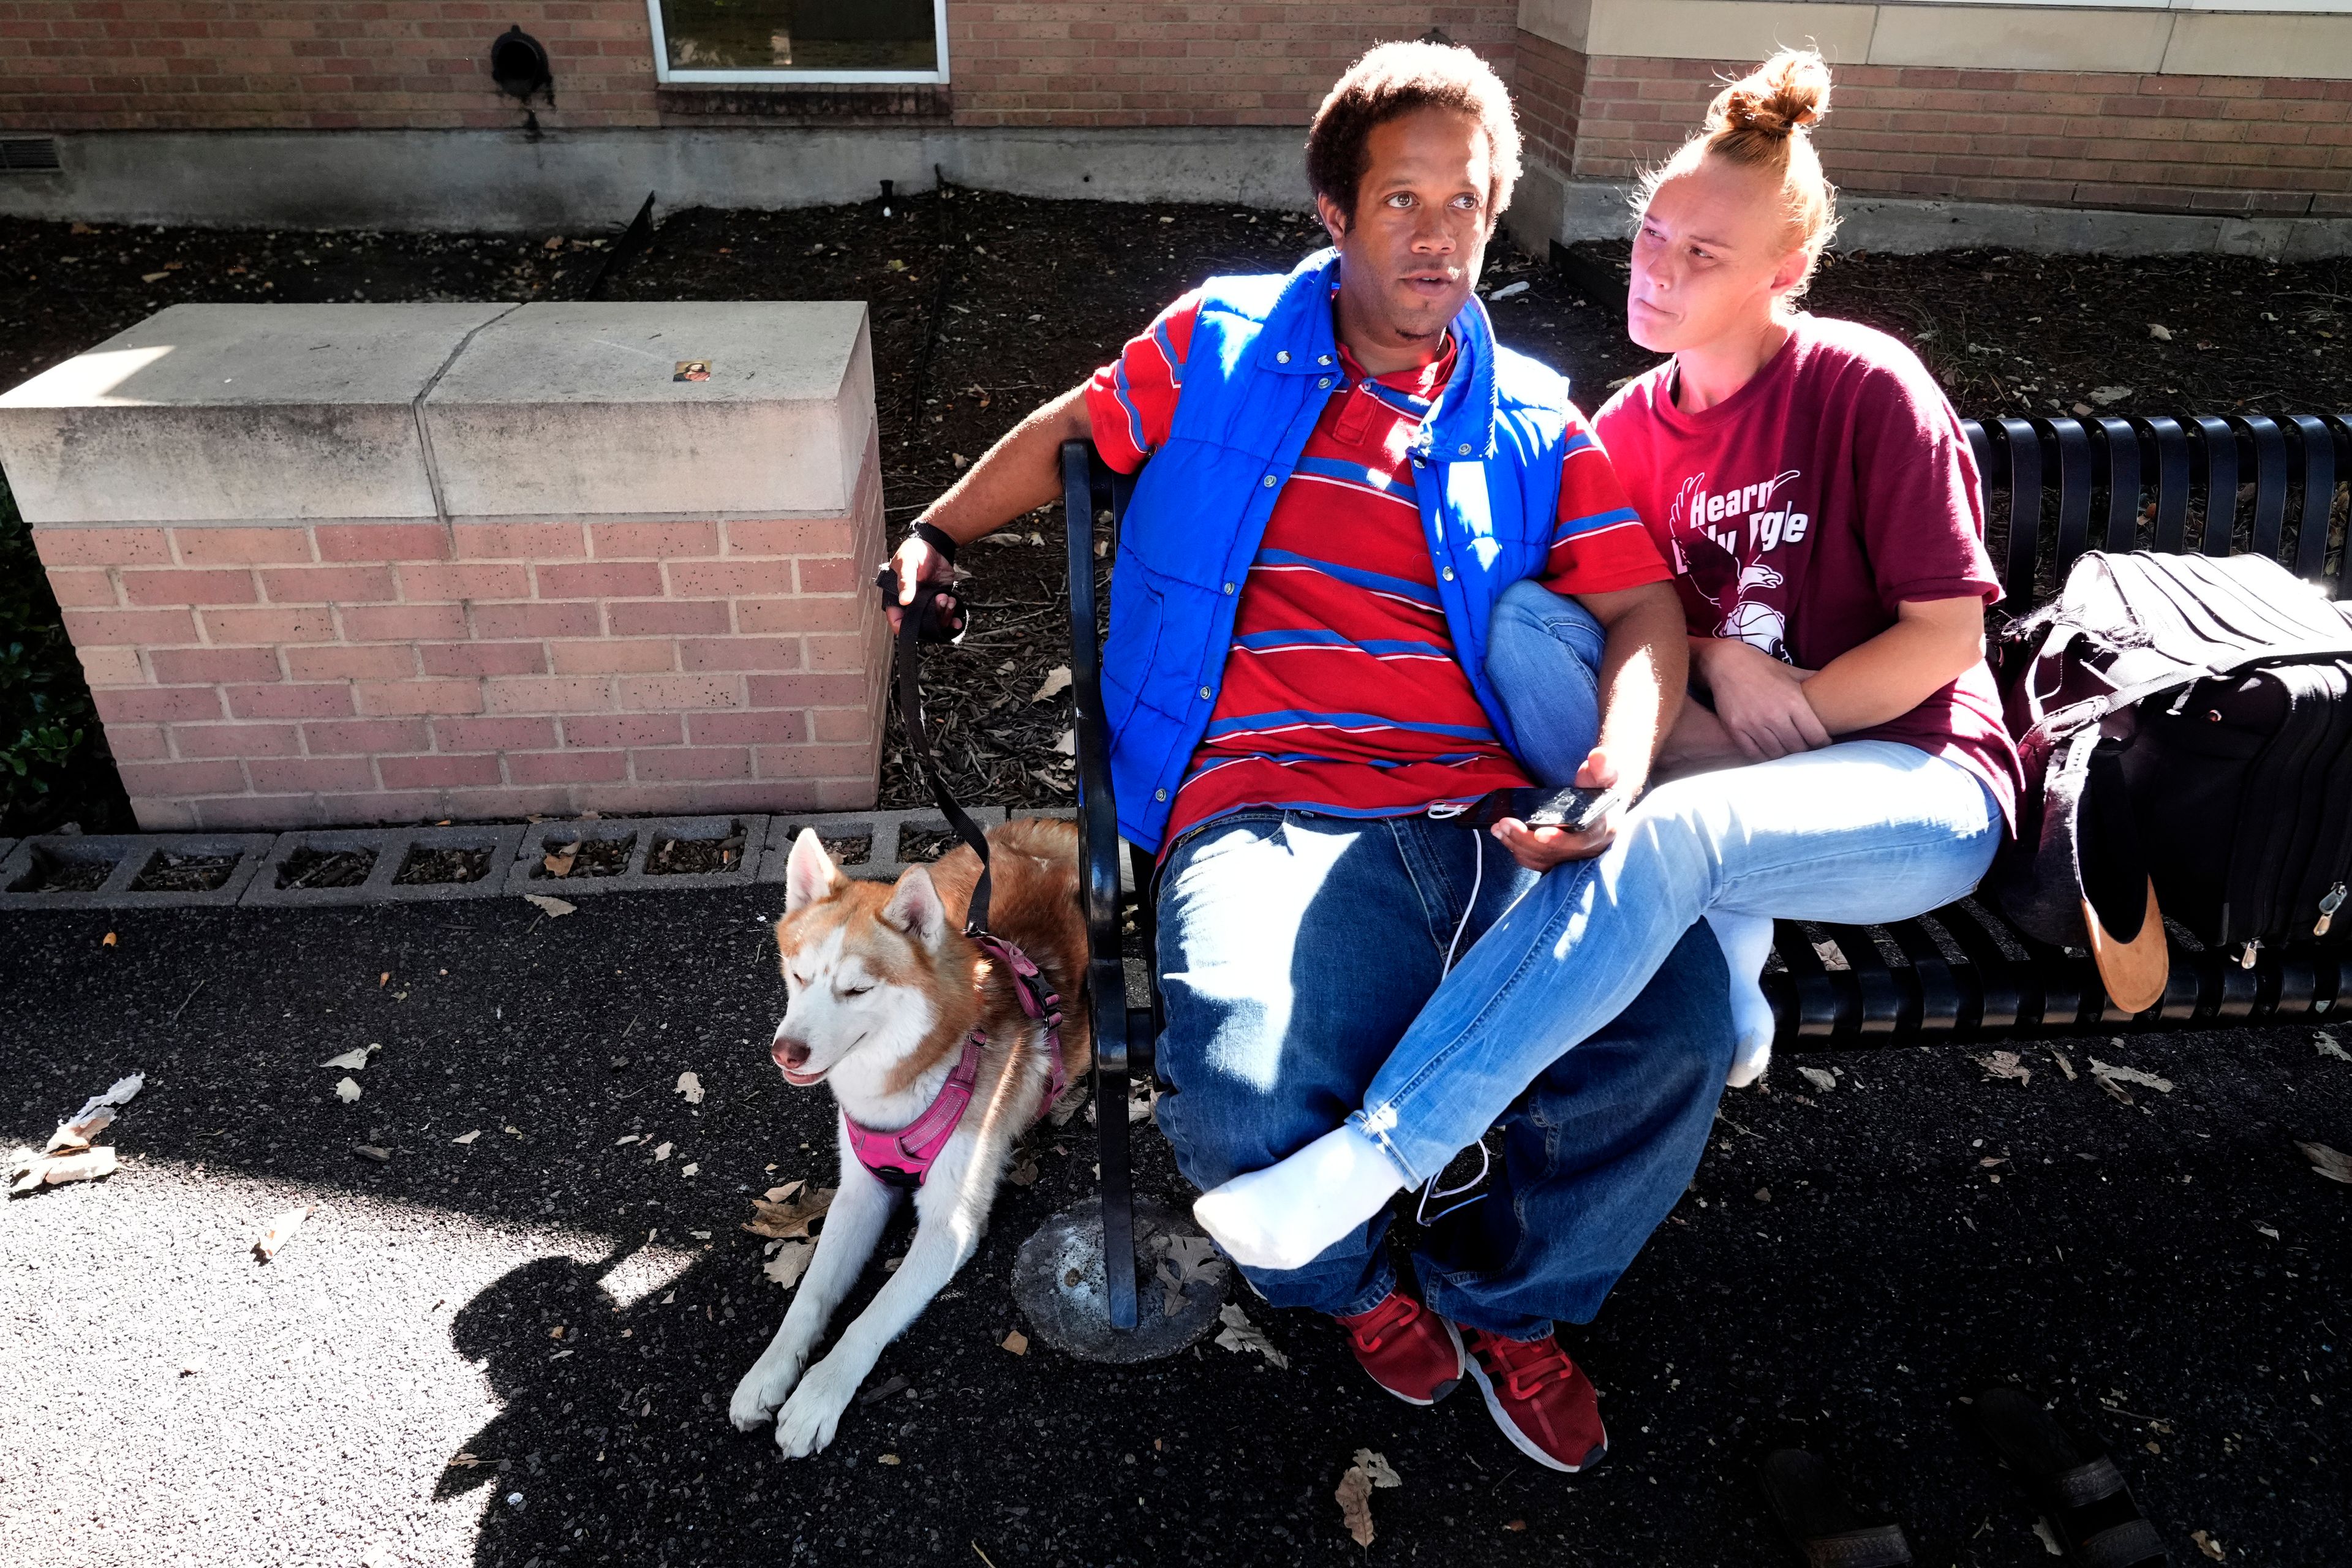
x=810 y=874
x=915 y=906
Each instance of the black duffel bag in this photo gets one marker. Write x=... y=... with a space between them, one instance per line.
x=2184 y=720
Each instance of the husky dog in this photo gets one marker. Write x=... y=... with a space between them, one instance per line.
x=909 y=1021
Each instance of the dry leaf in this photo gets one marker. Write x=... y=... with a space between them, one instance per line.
x=558 y=863
x=351 y=1060
x=71 y=1137
x=554 y=909
x=281 y=1231
x=790 y=1217
x=661 y=1152
x=689 y=1168
x=1377 y=1468
x=54 y=1170
x=2208 y=1545
x=1190 y=1254
x=1057 y=679
x=372 y=1152
x=791 y=1261
x=467 y=1137
x=106 y=941
x=2049 y=1538
x=1820 y=1080
x=2064 y=1065
x=2130 y=1075
x=1354 y=1495
x=1024 y=1175
x=1070 y=1104
x=1017 y=1343
x=885 y=1458
x=690 y=1086
x=1240 y=1334
x=778 y=1194
x=2328 y=1047
x=2159 y=332
x=2005 y=1064
x=347 y=1090
x=384 y=980
x=1067 y=746
x=2329 y=1162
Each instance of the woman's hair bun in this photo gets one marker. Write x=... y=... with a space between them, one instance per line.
x=1787 y=93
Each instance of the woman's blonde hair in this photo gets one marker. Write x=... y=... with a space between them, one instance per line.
x=1760 y=122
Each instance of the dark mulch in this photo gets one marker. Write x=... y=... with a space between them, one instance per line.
x=433 y=867
x=594 y=858
x=1847 y=1268
x=52 y=873
x=984 y=305
x=849 y=850
x=308 y=868
x=169 y=873
x=672 y=857
x=920 y=844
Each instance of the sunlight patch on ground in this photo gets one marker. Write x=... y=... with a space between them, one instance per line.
x=294 y=1411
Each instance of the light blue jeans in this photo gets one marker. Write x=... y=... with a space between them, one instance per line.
x=1860 y=832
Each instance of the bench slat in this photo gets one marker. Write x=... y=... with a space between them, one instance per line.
x=2270 y=485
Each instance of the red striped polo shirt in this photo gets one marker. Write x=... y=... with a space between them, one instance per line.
x=1342 y=693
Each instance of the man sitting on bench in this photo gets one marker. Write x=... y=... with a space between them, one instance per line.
x=1346 y=476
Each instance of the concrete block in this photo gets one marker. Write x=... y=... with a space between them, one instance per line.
x=639 y=872
x=130 y=860
x=235 y=413
x=569 y=410
x=393 y=849
x=884 y=858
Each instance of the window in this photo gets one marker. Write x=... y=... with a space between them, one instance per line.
x=800 y=40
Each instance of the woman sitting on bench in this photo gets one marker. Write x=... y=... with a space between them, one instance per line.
x=1816 y=497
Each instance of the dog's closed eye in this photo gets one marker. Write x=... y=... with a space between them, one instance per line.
x=857 y=990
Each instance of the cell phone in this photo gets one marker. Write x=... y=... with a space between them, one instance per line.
x=1575 y=807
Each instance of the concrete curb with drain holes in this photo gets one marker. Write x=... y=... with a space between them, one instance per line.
x=342 y=867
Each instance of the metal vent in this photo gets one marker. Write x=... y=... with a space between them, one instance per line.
x=27 y=154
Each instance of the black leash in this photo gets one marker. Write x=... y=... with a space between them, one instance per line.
x=938 y=615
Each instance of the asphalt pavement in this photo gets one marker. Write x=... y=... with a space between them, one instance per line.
x=517 y=1349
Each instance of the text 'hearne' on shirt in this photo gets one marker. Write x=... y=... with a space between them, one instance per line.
x=1342 y=692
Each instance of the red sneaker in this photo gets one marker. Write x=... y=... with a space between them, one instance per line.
x=1409 y=1349
x=1542 y=1401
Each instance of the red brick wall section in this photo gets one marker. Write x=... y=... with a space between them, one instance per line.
x=1549 y=94
x=301 y=676
x=97 y=65
x=1052 y=62
x=2260 y=146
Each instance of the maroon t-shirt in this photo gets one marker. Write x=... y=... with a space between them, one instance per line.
x=1802 y=510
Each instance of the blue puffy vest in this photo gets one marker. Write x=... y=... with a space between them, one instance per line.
x=1261 y=365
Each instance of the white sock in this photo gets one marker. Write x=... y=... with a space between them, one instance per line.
x=1288 y=1215
x=1746 y=942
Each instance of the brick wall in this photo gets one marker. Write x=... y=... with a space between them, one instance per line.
x=97 y=65
x=294 y=675
x=2269 y=146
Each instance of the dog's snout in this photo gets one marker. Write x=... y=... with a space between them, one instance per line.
x=789 y=1053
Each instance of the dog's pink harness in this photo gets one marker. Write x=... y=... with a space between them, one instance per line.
x=903 y=1158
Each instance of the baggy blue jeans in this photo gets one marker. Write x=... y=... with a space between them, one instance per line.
x=1859 y=832
x=1296 y=947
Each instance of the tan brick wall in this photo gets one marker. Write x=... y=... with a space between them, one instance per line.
x=2271 y=147
x=95 y=65
x=300 y=675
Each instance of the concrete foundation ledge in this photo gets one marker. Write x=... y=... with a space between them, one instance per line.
x=1550 y=207
x=638 y=854
x=402 y=864
x=885 y=835
x=76 y=872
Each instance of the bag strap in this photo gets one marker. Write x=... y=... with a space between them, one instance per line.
x=2092 y=709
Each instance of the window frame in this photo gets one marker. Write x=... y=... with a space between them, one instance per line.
x=665 y=74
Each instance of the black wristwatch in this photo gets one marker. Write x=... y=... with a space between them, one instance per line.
x=938 y=539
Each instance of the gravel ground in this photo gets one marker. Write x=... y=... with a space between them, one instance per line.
x=174 y=1401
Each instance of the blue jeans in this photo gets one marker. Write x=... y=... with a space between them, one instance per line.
x=1294 y=949
x=1859 y=832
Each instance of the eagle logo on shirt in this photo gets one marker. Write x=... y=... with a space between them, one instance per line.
x=1718 y=540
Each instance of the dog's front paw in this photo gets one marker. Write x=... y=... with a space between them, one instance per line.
x=807 y=1421
x=767 y=1385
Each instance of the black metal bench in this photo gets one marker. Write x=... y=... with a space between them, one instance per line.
x=2053 y=488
